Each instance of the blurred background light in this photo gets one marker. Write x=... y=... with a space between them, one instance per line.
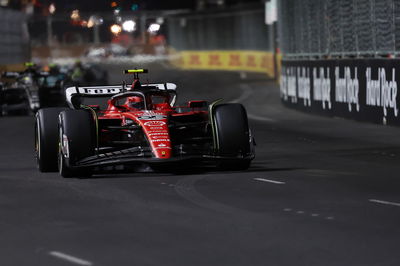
x=160 y=20
x=4 y=2
x=134 y=7
x=75 y=15
x=52 y=8
x=94 y=21
x=116 y=29
x=155 y=27
x=129 y=25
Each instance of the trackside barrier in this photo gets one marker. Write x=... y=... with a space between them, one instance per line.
x=360 y=89
x=251 y=61
x=12 y=67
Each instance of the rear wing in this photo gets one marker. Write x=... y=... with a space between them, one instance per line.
x=102 y=91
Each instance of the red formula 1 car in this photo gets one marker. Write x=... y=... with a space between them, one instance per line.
x=139 y=125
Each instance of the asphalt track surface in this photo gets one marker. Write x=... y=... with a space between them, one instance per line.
x=321 y=191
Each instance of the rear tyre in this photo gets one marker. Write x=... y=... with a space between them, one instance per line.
x=233 y=135
x=46 y=139
x=76 y=141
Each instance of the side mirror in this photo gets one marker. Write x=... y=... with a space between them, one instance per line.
x=95 y=107
x=198 y=104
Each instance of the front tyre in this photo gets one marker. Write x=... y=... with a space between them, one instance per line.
x=76 y=141
x=233 y=136
x=46 y=138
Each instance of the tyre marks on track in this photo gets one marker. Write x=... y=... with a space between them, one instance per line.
x=186 y=189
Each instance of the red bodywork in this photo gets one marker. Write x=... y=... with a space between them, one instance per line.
x=154 y=122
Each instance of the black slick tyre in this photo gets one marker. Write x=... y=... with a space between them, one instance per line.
x=46 y=138
x=233 y=135
x=76 y=141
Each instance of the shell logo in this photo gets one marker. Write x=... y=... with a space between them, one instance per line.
x=155 y=123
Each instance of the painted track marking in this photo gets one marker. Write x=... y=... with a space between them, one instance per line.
x=385 y=202
x=269 y=181
x=70 y=258
x=247 y=91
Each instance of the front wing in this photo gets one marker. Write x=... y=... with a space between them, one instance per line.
x=139 y=155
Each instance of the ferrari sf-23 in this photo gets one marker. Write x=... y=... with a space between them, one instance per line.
x=139 y=125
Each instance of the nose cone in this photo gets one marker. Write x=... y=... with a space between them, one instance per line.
x=162 y=152
x=158 y=135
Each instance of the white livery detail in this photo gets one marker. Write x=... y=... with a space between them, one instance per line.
x=109 y=90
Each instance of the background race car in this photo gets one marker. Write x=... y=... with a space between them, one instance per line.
x=27 y=91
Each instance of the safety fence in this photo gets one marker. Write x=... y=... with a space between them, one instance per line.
x=14 y=37
x=339 y=28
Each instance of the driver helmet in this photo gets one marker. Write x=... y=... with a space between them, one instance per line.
x=54 y=69
x=135 y=102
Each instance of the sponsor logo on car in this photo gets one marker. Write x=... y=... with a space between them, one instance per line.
x=158 y=133
x=162 y=131
x=65 y=146
x=164 y=148
x=160 y=137
x=159 y=140
x=155 y=123
x=152 y=117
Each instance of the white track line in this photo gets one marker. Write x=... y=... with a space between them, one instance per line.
x=385 y=202
x=70 y=258
x=269 y=181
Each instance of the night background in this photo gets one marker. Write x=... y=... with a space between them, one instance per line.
x=261 y=133
x=102 y=5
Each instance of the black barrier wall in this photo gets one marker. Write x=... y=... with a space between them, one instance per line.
x=360 y=89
